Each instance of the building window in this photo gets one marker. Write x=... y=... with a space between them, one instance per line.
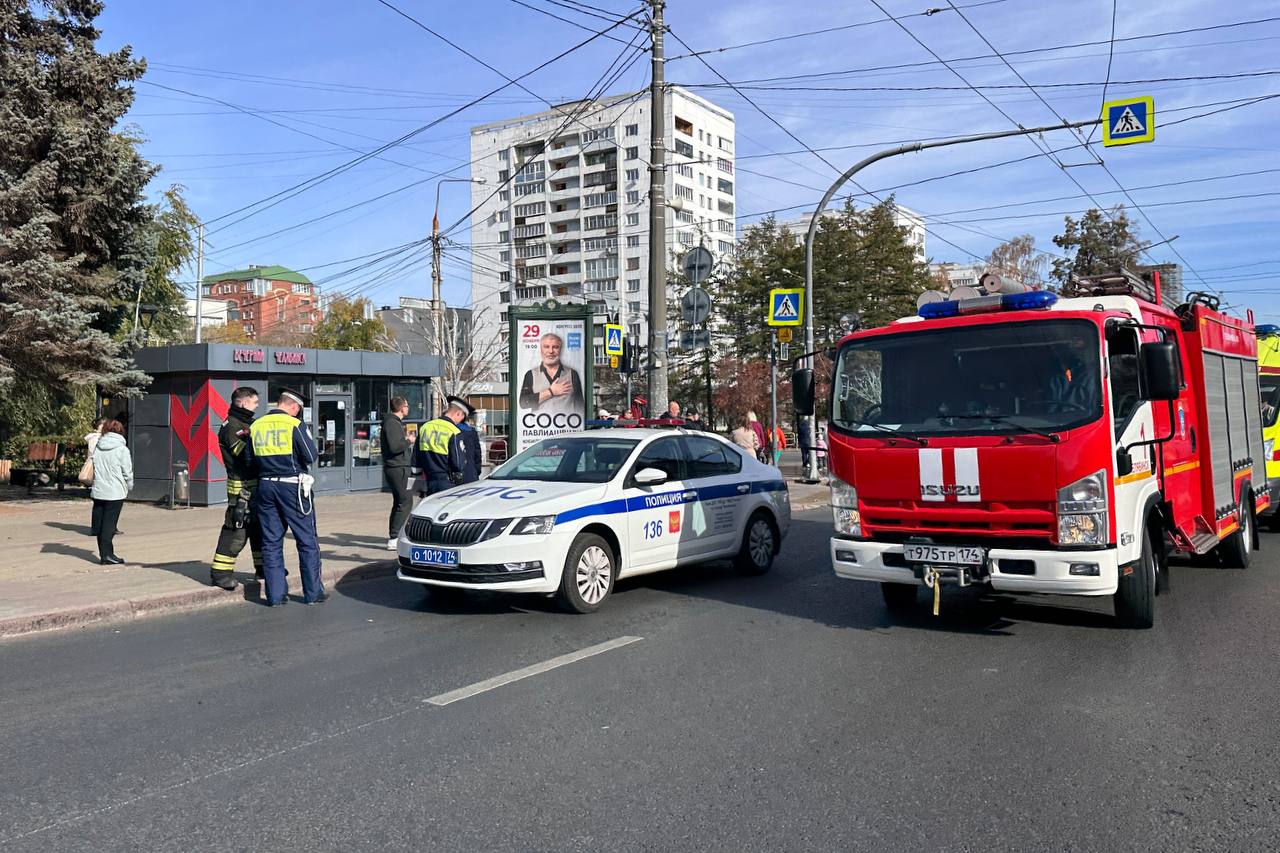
x=529 y=189
x=684 y=170
x=302 y=288
x=504 y=155
x=501 y=216
x=633 y=264
x=633 y=196
x=537 y=208
x=633 y=130
x=726 y=226
x=634 y=331
x=633 y=153
x=633 y=285
x=633 y=240
x=724 y=165
x=504 y=256
x=504 y=175
x=686 y=238
x=601 y=267
x=725 y=144
x=633 y=174
x=683 y=125
x=725 y=248
x=600 y=220
x=598 y=133
x=684 y=216
x=599 y=351
x=504 y=195
x=505 y=275
x=684 y=149
x=634 y=306
x=684 y=192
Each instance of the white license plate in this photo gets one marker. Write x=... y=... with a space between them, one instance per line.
x=433 y=557
x=949 y=555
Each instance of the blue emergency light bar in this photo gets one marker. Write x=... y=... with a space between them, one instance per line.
x=1028 y=301
x=1266 y=330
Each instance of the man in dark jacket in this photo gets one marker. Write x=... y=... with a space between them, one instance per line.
x=471 y=443
x=397 y=456
x=441 y=452
x=240 y=524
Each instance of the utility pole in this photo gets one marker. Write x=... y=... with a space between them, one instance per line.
x=657 y=217
x=773 y=398
x=437 y=276
x=199 y=280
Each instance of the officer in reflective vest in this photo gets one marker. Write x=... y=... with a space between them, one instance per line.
x=284 y=451
x=441 y=457
x=240 y=524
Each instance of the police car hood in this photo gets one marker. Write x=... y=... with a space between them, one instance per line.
x=508 y=499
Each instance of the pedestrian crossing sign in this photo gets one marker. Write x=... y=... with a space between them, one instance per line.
x=612 y=339
x=1128 y=121
x=786 y=306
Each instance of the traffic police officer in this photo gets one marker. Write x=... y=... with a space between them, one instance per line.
x=240 y=524
x=442 y=453
x=284 y=450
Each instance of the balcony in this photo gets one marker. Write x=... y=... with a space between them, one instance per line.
x=600 y=199
x=531 y=250
x=570 y=192
x=539 y=292
x=524 y=232
x=725 y=206
x=600 y=285
x=607 y=178
x=564 y=215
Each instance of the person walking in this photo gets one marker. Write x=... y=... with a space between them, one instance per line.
x=284 y=452
x=745 y=437
x=470 y=444
x=779 y=445
x=806 y=442
x=91 y=442
x=441 y=453
x=762 y=440
x=112 y=482
x=397 y=457
x=240 y=523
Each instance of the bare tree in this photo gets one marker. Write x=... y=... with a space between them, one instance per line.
x=1019 y=259
x=465 y=361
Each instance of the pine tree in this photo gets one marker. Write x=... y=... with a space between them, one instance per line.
x=1103 y=242
x=73 y=218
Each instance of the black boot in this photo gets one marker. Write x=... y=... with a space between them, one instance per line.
x=223 y=579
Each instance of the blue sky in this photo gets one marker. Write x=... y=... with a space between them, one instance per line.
x=327 y=79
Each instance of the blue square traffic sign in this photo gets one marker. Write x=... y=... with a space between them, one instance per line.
x=1128 y=121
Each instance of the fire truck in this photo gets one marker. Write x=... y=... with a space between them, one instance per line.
x=1043 y=443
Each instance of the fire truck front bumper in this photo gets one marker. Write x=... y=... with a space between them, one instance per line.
x=1005 y=569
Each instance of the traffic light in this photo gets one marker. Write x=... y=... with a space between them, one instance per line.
x=630 y=362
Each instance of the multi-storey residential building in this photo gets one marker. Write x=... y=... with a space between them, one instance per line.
x=957 y=275
x=270 y=302
x=903 y=217
x=564 y=210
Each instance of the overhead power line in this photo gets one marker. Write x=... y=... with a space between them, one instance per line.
x=985 y=87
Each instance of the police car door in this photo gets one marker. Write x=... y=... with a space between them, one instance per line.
x=714 y=472
x=655 y=513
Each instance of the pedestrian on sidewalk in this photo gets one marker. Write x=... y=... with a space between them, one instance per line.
x=745 y=438
x=240 y=523
x=397 y=456
x=470 y=444
x=762 y=439
x=806 y=442
x=284 y=452
x=112 y=482
x=91 y=441
x=779 y=445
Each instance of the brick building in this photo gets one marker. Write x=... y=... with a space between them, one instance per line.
x=272 y=303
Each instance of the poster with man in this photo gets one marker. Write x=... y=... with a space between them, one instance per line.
x=551 y=397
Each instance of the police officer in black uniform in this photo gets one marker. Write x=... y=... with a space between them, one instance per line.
x=240 y=524
x=471 y=443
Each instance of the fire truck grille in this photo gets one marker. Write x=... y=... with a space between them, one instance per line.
x=987 y=520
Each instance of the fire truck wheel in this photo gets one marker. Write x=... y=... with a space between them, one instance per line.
x=1135 y=598
x=1238 y=547
x=899 y=597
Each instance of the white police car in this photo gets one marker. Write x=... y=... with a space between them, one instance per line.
x=574 y=513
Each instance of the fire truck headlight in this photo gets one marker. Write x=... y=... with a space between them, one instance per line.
x=844 y=508
x=1082 y=528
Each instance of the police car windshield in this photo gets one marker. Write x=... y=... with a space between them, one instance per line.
x=1029 y=377
x=569 y=460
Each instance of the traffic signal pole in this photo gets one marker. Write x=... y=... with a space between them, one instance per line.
x=811 y=470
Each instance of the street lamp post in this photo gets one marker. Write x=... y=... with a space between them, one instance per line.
x=437 y=276
x=811 y=470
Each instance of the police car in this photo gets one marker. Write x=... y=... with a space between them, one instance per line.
x=573 y=514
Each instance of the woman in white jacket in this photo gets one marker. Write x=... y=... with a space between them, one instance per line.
x=112 y=482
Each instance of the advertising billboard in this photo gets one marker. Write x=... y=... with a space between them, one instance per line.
x=551 y=360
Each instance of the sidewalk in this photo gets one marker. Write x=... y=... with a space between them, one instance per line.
x=50 y=576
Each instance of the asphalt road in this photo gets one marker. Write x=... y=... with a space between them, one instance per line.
x=787 y=712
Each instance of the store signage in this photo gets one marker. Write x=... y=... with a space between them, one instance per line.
x=291 y=357
x=247 y=356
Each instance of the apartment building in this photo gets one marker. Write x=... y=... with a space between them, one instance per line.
x=269 y=301
x=903 y=217
x=564 y=211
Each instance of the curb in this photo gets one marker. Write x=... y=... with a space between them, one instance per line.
x=138 y=608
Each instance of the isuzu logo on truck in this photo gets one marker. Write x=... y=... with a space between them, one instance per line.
x=932 y=490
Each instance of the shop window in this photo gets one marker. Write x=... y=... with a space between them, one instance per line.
x=416 y=394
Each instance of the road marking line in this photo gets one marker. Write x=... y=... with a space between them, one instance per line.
x=528 y=671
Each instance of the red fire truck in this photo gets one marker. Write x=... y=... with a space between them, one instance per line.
x=1044 y=444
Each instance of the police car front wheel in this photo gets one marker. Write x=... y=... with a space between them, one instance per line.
x=759 y=545
x=588 y=574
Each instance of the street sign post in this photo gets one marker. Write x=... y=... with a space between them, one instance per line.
x=1129 y=121
x=695 y=339
x=786 y=306
x=695 y=306
x=613 y=335
x=698 y=264
x=784 y=335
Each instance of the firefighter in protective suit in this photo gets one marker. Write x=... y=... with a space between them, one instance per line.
x=240 y=524
x=284 y=452
x=441 y=457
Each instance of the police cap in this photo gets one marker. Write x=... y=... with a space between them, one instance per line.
x=293 y=395
x=462 y=404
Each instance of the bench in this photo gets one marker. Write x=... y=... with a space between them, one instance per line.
x=42 y=466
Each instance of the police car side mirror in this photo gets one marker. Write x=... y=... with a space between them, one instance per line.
x=650 y=477
x=1160 y=374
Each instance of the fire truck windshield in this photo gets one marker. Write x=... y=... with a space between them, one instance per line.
x=1005 y=378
